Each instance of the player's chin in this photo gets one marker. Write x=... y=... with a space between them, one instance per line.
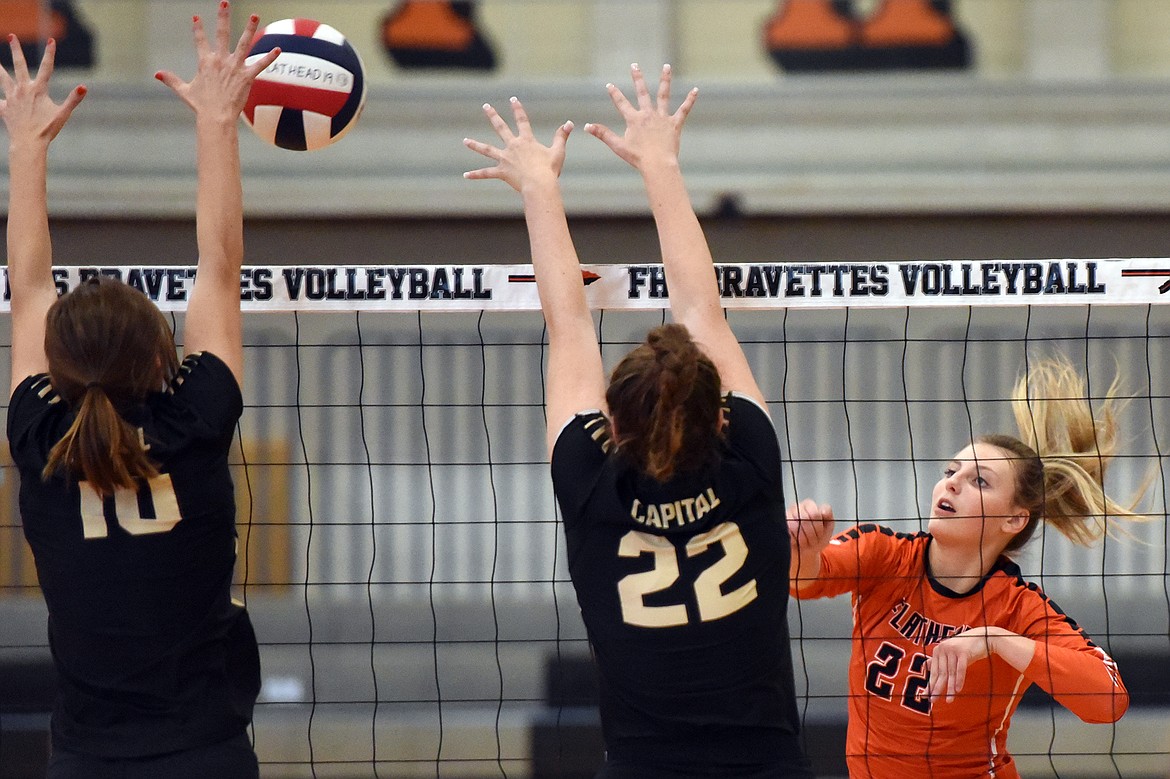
x=953 y=527
x=941 y=524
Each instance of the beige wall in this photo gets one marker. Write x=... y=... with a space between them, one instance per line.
x=996 y=31
x=533 y=38
x=722 y=40
x=713 y=39
x=119 y=34
x=1141 y=37
x=539 y=39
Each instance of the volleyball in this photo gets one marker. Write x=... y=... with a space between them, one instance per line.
x=313 y=93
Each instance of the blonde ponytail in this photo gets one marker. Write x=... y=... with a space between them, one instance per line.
x=1065 y=446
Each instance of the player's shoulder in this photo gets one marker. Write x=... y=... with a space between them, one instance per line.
x=1007 y=583
x=203 y=397
x=205 y=375
x=38 y=416
x=882 y=546
x=589 y=429
x=581 y=460
x=1022 y=597
x=32 y=399
x=37 y=386
x=744 y=409
x=748 y=431
x=198 y=364
x=872 y=531
x=1007 y=577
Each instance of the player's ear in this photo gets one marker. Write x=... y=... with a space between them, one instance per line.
x=1016 y=522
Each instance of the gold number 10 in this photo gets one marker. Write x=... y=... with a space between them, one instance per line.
x=160 y=491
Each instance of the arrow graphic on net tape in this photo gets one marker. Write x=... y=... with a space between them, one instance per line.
x=587 y=276
x=1153 y=273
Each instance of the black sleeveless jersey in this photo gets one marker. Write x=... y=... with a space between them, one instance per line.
x=151 y=653
x=683 y=587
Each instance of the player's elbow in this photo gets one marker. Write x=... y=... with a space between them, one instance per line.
x=1106 y=709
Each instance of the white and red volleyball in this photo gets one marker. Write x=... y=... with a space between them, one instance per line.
x=313 y=93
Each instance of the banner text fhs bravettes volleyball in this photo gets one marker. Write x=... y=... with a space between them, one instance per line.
x=744 y=285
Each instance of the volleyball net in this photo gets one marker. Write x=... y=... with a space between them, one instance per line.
x=399 y=544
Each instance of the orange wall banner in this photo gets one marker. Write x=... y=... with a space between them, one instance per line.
x=830 y=35
x=436 y=34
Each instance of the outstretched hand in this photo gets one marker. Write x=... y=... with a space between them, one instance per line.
x=653 y=134
x=223 y=80
x=28 y=111
x=810 y=526
x=522 y=160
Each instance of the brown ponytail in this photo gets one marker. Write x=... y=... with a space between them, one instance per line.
x=664 y=398
x=108 y=347
x=1060 y=458
x=101 y=446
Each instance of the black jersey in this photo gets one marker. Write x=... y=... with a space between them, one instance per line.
x=151 y=653
x=683 y=587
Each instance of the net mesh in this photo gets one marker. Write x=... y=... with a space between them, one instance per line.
x=402 y=562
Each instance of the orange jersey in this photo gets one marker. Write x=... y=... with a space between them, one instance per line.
x=900 y=613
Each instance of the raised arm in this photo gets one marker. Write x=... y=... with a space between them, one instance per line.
x=33 y=121
x=810 y=528
x=651 y=145
x=576 y=379
x=217 y=94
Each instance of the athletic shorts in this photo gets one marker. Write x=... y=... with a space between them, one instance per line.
x=231 y=759
x=799 y=768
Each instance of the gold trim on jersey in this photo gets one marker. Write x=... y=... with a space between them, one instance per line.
x=598 y=429
x=44 y=389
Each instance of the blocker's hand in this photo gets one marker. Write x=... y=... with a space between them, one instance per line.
x=223 y=80
x=810 y=526
x=28 y=112
x=653 y=134
x=521 y=160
